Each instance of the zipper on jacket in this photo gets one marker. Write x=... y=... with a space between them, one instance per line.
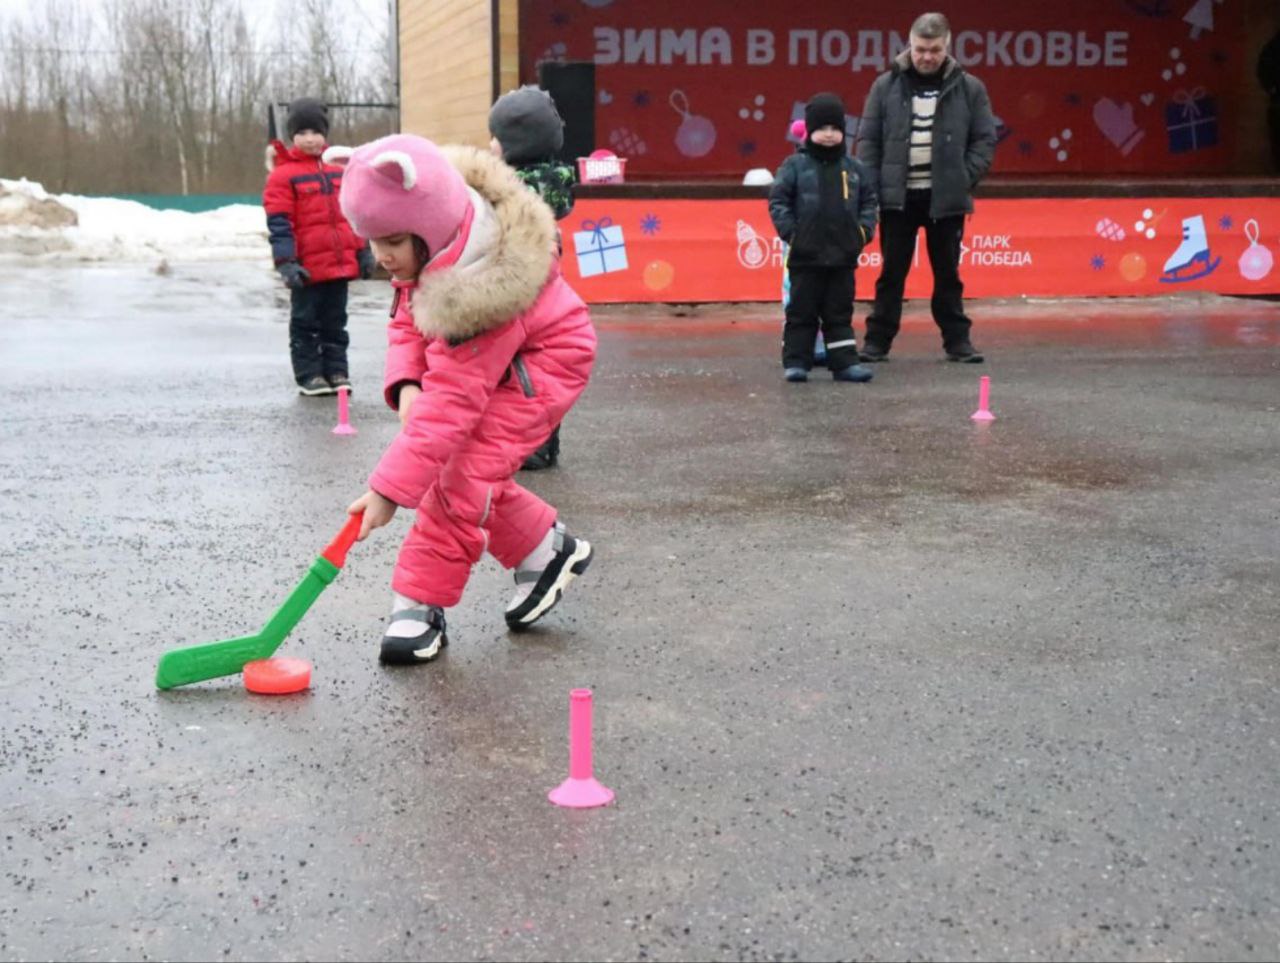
x=526 y=385
x=326 y=185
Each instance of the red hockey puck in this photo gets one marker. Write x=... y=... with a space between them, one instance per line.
x=277 y=676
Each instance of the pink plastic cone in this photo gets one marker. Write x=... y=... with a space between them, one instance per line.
x=984 y=400
x=344 y=422
x=580 y=790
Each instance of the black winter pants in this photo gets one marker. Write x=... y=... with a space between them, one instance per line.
x=898 y=230
x=820 y=296
x=318 y=330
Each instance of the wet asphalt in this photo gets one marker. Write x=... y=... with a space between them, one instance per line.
x=872 y=681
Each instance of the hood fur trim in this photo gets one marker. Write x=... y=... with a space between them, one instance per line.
x=463 y=301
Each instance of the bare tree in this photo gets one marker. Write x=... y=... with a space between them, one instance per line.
x=168 y=95
x=45 y=83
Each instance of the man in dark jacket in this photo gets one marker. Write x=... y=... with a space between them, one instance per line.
x=823 y=206
x=928 y=136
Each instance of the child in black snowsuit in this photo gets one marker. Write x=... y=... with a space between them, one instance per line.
x=823 y=206
x=528 y=134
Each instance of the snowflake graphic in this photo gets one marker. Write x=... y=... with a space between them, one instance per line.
x=641 y=98
x=1225 y=223
x=1097 y=262
x=1025 y=147
x=650 y=224
x=747 y=148
x=560 y=19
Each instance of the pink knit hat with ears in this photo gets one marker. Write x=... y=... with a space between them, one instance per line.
x=402 y=184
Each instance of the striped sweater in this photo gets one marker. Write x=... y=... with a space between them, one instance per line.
x=924 y=106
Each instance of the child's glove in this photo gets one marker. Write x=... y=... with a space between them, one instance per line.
x=294 y=274
x=366 y=263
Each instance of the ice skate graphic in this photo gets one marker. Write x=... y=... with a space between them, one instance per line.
x=1192 y=259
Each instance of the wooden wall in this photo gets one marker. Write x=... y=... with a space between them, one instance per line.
x=508 y=45
x=447 y=76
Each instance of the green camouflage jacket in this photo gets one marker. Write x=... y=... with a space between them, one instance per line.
x=553 y=182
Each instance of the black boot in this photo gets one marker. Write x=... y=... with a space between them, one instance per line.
x=546 y=456
x=571 y=558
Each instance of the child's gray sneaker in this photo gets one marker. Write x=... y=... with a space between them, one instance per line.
x=314 y=386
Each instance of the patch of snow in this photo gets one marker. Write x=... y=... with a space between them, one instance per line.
x=108 y=229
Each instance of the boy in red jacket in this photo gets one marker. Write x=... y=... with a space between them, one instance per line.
x=314 y=248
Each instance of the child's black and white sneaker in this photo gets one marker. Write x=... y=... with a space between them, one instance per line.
x=538 y=590
x=415 y=633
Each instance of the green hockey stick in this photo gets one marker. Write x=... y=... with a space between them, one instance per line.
x=212 y=660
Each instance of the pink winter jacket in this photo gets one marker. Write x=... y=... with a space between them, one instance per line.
x=503 y=325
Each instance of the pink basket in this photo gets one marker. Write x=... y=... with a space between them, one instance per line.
x=607 y=169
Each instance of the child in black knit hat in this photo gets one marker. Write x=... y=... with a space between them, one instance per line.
x=528 y=134
x=313 y=247
x=823 y=206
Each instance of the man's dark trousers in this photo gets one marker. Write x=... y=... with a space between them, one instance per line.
x=898 y=231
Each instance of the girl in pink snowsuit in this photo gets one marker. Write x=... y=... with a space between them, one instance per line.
x=488 y=349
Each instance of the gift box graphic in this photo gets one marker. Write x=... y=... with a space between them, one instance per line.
x=600 y=247
x=1192 y=121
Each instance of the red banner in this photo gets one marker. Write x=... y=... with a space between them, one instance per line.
x=1094 y=86
x=726 y=250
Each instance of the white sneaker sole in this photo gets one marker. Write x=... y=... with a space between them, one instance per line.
x=431 y=651
x=427 y=653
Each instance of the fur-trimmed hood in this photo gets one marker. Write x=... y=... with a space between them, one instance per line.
x=505 y=263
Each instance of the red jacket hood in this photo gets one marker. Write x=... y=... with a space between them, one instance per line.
x=279 y=153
